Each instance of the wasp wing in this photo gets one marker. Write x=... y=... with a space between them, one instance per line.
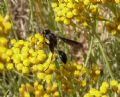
x=72 y=42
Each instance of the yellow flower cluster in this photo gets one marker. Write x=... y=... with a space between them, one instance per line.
x=48 y=84
x=113 y=86
x=25 y=56
x=28 y=57
x=67 y=10
x=94 y=73
x=114 y=25
x=39 y=90
x=5 y=25
x=78 y=11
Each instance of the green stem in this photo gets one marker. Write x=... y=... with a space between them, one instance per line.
x=60 y=89
x=88 y=55
x=6 y=6
x=95 y=30
x=31 y=13
x=106 y=61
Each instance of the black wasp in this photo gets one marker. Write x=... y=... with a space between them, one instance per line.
x=53 y=44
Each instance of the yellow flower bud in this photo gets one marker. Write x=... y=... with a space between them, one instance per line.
x=7 y=25
x=70 y=5
x=52 y=67
x=37 y=93
x=1 y=66
x=40 y=67
x=114 y=32
x=54 y=87
x=16 y=58
x=66 y=0
x=21 y=89
x=41 y=57
x=21 y=92
x=33 y=60
x=1 y=29
x=40 y=38
x=56 y=9
x=26 y=94
x=26 y=62
x=75 y=12
x=88 y=95
x=57 y=19
x=31 y=50
x=95 y=92
x=114 y=85
x=85 y=24
x=83 y=83
x=3 y=41
x=54 y=5
x=13 y=41
x=79 y=67
x=77 y=73
x=34 y=54
x=29 y=87
x=34 y=68
x=6 y=18
x=56 y=94
x=117 y=1
x=66 y=21
x=16 y=51
x=118 y=27
x=97 y=72
x=86 y=2
x=118 y=89
x=41 y=75
x=62 y=5
x=69 y=15
x=25 y=70
x=104 y=87
x=48 y=61
x=20 y=43
x=62 y=18
x=10 y=66
x=19 y=66
x=8 y=59
x=40 y=88
x=3 y=50
x=9 y=52
x=48 y=78
x=46 y=95
x=36 y=85
x=24 y=56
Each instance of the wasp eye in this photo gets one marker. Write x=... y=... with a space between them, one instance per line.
x=62 y=56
